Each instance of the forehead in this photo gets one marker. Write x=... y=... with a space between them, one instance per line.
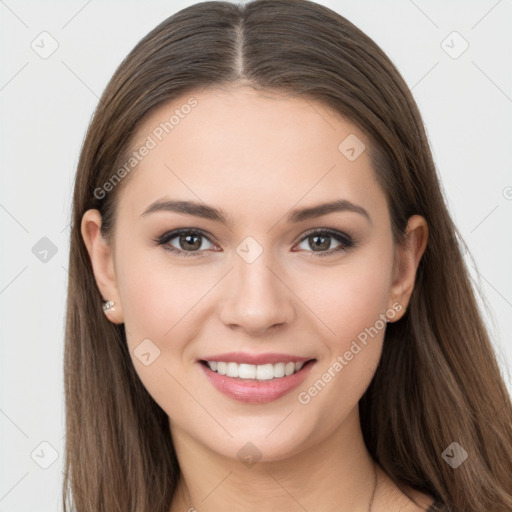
x=249 y=148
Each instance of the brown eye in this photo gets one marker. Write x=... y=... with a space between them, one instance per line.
x=188 y=242
x=321 y=242
x=192 y=241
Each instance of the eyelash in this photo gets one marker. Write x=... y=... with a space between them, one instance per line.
x=346 y=241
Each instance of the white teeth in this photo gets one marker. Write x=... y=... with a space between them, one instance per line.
x=246 y=371
x=222 y=368
x=232 y=370
x=252 y=371
x=265 y=371
x=279 y=370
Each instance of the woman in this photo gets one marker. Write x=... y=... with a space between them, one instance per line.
x=287 y=319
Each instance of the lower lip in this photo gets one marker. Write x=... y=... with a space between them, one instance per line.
x=256 y=391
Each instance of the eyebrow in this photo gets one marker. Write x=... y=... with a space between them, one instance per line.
x=209 y=212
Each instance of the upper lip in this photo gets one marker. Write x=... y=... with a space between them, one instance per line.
x=256 y=359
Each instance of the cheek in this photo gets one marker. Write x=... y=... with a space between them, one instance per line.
x=156 y=305
x=363 y=300
x=352 y=297
x=161 y=303
x=153 y=291
x=353 y=306
x=149 y=298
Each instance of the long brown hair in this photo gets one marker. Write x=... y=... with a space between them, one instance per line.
x=438 y=380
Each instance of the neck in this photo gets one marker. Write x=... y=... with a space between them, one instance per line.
x=336 y=474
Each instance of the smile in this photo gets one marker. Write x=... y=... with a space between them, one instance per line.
x=252 y=371
x=256 y=383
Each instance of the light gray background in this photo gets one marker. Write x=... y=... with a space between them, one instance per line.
x=46 y=105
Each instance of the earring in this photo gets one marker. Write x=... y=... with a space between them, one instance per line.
x=108 y=306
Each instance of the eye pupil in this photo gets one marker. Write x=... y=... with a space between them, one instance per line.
x=184 y=241
x=321 y=246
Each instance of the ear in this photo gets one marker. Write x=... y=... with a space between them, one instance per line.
x=407 y=258
x=102 y=261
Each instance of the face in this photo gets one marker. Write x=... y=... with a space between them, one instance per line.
x=274 y=282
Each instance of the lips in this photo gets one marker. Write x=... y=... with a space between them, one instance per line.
x=255 y=378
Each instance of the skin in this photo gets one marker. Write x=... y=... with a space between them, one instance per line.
x=257 y=156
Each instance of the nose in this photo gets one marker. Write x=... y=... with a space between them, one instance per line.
x=256 y=297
